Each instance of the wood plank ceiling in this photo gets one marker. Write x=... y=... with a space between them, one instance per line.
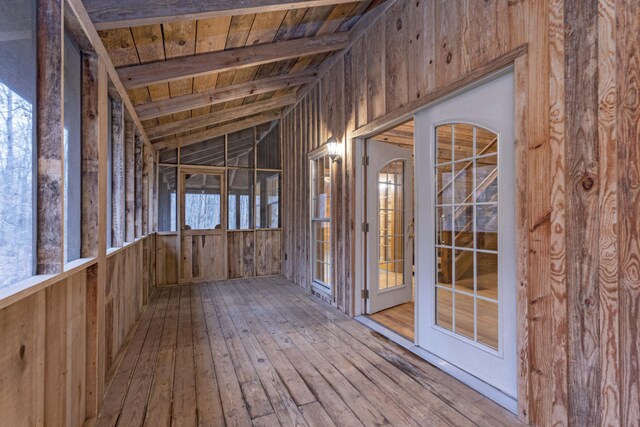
x=190 y=78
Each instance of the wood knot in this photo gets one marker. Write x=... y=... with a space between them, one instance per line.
x=22 y=350
x=124 y=45
x=449 y=56
x=399 y=24
x=418 y=36
x=587 y=183
x=261 y=360
x=588 y=302
x=182 y=42
x=430 y=61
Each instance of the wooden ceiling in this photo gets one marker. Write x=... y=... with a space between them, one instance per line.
x=196 y=69
x=399 y=135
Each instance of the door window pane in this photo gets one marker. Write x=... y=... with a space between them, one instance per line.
x=167 y=198
x=202 y=201
x=240 y=196
x=466 y=232
x=391 y=224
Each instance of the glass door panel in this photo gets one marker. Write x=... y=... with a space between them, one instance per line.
x=466 y=230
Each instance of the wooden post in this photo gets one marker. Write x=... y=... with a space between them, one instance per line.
x=129 y=171
x=138 y=185
x=50 y=138
x=146 y=168
x=90 y=161
x=118 y=177
x=96 y=188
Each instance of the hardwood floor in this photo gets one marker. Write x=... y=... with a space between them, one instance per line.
x=264 y=352
x=399 y=319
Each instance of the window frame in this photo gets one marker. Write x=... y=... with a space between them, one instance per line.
x=317 y=154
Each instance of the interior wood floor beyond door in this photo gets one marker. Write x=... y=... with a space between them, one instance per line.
x=264 y=352
x=399 y=319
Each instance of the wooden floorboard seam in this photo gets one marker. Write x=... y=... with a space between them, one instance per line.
x=263 y=352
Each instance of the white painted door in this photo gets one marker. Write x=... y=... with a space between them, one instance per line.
x=465 y=241
x=390 y=217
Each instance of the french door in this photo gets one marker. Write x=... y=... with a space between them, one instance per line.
x=390 y=218
x=202 y=225
x=466 y=232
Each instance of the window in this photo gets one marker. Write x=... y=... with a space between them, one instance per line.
x=169 y=156
x=202 y=197
x=240 y=148
x=110 y=167
x=210 y=153
x=240 y=195
x=72 y=150
x=167 y=198
x=268 y=146
x=267 y=199
x=252 y=194
x=17 y=142
x=321 y=220
x=466 y=225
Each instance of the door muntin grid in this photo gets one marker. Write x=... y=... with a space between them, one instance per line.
x=391 y=234
x=467 y=299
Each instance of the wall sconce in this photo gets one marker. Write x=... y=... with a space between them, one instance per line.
x=334 y=149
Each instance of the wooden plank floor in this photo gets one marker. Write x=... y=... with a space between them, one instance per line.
x=264 y=352
x=399 y=319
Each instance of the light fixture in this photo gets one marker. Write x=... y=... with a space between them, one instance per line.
x=334 y=149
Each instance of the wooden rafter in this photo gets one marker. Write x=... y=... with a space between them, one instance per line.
x=255 y=87
x=109 y=14
x=227 y=60
x=218 y=131
x=220 y=116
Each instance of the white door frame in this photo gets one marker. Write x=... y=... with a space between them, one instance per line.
x=359 y=273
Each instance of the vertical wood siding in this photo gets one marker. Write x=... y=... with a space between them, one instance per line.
x=578 y=127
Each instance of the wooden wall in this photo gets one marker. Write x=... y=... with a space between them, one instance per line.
x=578 y=124
x=47 y=337
x=249 y=254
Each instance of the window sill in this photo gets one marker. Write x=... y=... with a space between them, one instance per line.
x=21 y=290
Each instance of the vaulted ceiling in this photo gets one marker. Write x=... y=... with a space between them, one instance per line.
x=198 y=69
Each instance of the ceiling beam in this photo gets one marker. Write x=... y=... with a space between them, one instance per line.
x=226 y=60
x=218 y=131
x=220 y=116
x=109 y=14
x=178 y=104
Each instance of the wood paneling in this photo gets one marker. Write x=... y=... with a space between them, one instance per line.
x=577 y=118
x=202 y=257
x=267 y=252
x=47 y=358
x=240 y=251
x=167 y=258
x=124 y=298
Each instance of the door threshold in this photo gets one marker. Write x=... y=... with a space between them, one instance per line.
x=487 y=390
